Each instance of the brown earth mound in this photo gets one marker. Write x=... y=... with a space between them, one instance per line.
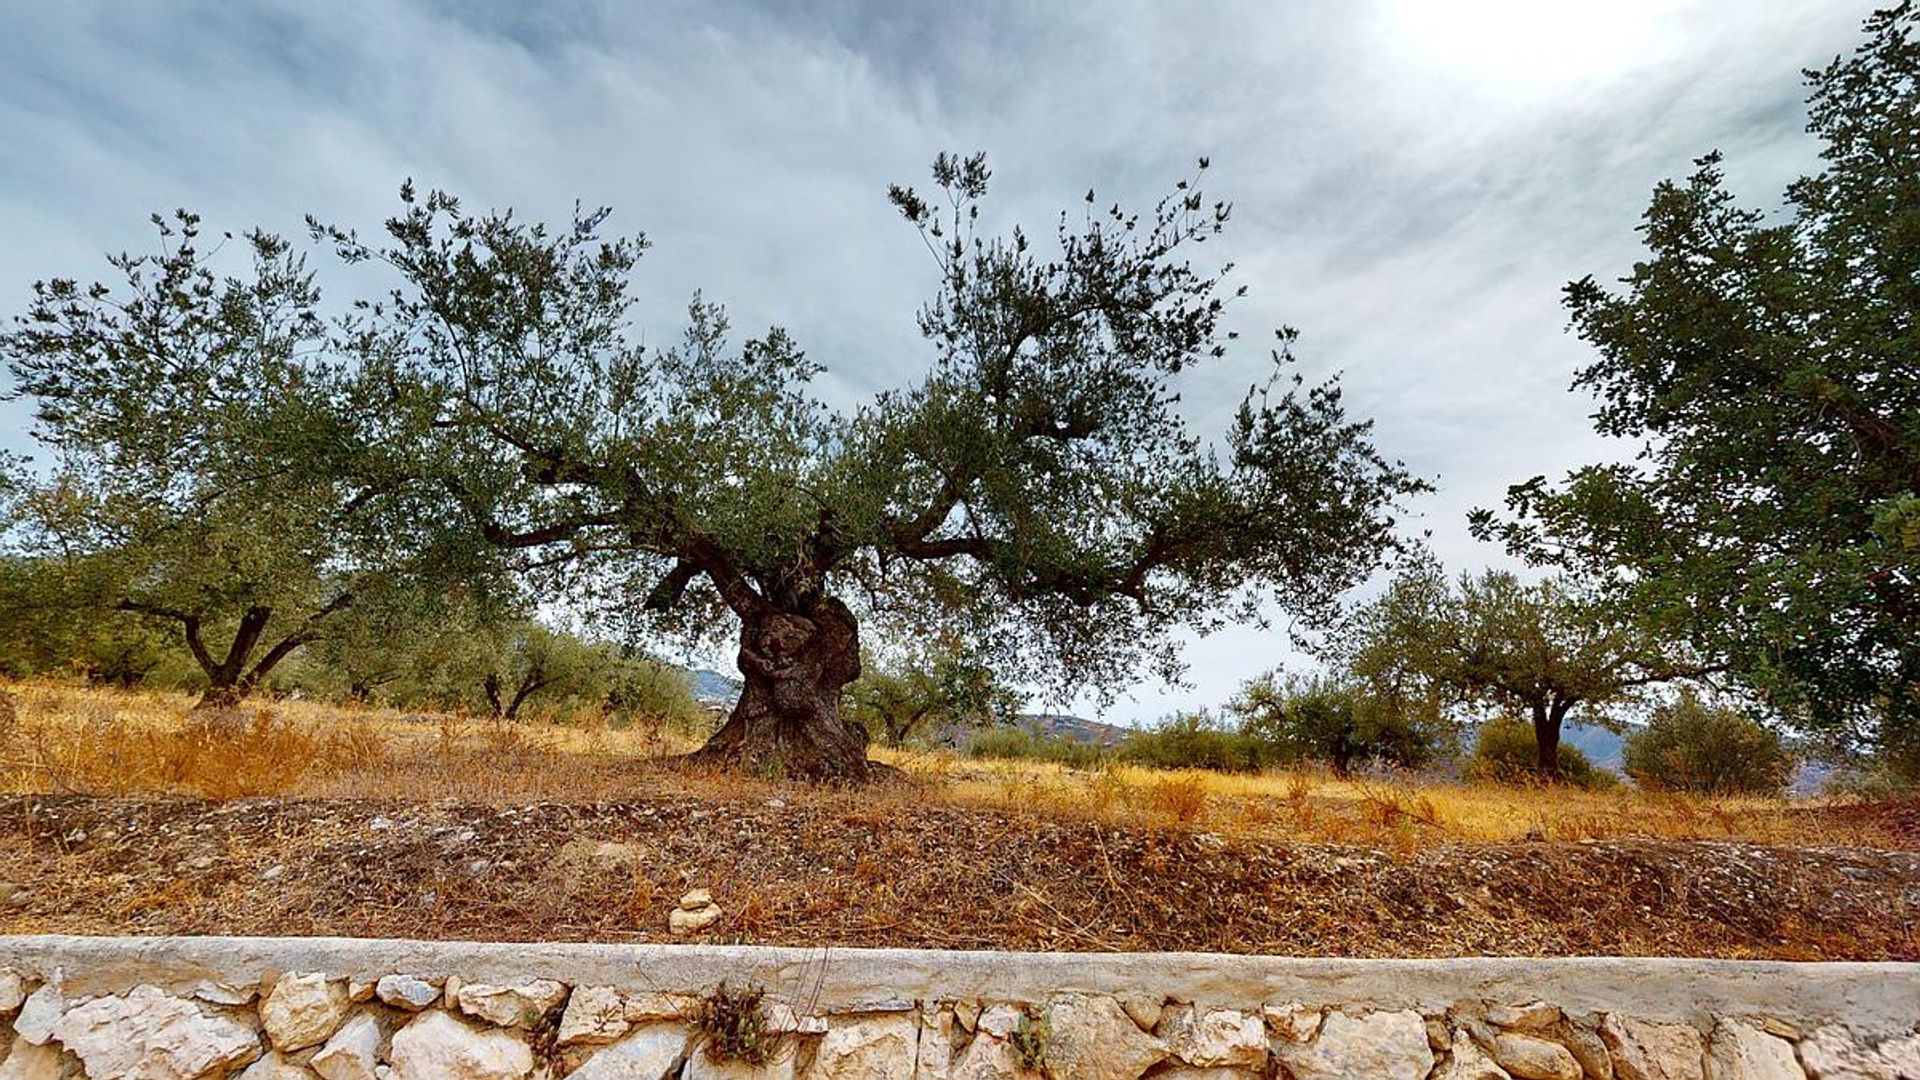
x=825 y=873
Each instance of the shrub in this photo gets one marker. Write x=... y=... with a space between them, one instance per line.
x=1022 y=744
x=733 y=1026
x=1195 y=741
x=1691 y=745
x=1505 y=751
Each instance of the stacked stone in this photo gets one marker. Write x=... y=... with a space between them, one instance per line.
x=401 y=1026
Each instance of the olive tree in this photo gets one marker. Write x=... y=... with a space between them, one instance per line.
x=195 y=441
x=1035 y=487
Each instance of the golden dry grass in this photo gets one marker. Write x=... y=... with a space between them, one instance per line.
x=64 y=739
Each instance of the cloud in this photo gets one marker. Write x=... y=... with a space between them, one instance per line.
x=1413 y=213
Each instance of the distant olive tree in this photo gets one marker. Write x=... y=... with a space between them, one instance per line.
x=1335 y=721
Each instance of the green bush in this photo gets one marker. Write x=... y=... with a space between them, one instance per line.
x=1195 y=741
x=1693 y=746
x=1505 y=752
x=1021 y=744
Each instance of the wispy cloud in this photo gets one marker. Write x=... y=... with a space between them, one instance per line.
x=1409 y=197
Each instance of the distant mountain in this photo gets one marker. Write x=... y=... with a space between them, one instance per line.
x=712 y=688
x=1079 y=729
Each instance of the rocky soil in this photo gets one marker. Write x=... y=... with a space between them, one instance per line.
x=849 y=873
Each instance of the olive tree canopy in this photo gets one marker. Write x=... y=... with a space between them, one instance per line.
x=1036 y=488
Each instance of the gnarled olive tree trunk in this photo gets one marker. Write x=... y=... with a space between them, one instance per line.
x=787 y=722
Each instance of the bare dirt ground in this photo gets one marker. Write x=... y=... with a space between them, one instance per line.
x=814 y=869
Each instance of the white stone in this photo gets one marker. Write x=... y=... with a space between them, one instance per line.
x=39 y=1013
x=1469 y=1062
x=652 y=1052
x=782 y=1019
x=1741 y=1052
x=302 y=1010
x=1218 y=1037
x=152 y=1035
x=595 y=1014
x=1292 y=1021
x=1145 y=1011
x=219 y=993
x=703 y=1065
x=13 y=990
x=989 y=1057
x=933 y=1055
x=1531 y=1016
x=1001 y=1020
x=408 y=992
x=1648 y=1051
x=695 y=900
x=1090 y=1037
x=685 y=921
x=436 y=1046
x=275 y=1067
x=1383 y=1045
x=1589 y=1049
x=1903 y=1056
x=353 y=1051
x=875 y=1048
x=511 y=1006
x=1834 y=1053
x=1191 y=1072
x=1533 y=1058
x=28 y=1061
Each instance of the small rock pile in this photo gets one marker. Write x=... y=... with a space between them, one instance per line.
x=416 y=1026
x=695 y=913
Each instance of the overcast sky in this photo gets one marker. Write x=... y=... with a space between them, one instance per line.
x=1413 y=180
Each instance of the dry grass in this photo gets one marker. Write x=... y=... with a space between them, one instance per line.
x=373 y=822
x=69 y=740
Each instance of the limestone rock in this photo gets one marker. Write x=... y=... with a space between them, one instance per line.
x=1145 y=1011
x=989 y=1057
x=1647 y=1051
x=1193 y=1072
x=685 y=921
x=353 y=1051
x=360 y=992
x=652 y=1052
x=1090 y=1037
x=13 y=990
x=1469 y=1062
x=219 y=993
x=1438 y=1036
x=38 y=1013
x=436 y=1046
x=30 y=1061
x=1741 y=1052
x=875 y=1048
x=595 y=1014
x=275 y=1067
x=933 y=1055
x=1835 y=1053
x=1903 y=1055
x=1533 y=1058
x=1000 y=1020
x=511 y=1006
x=302 y=1010
x=1384 y=1045
x=152 y=1035
x=1217 y=1037
x=967 y=1015
x=1292 y=1021
x=408 y=992
x=1532 y=1016
x=1588 y=1048
x=703 y=1065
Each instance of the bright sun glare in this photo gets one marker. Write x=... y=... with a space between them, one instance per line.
x=1527 y=46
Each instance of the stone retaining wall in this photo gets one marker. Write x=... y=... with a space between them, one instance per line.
x=347 y=1009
